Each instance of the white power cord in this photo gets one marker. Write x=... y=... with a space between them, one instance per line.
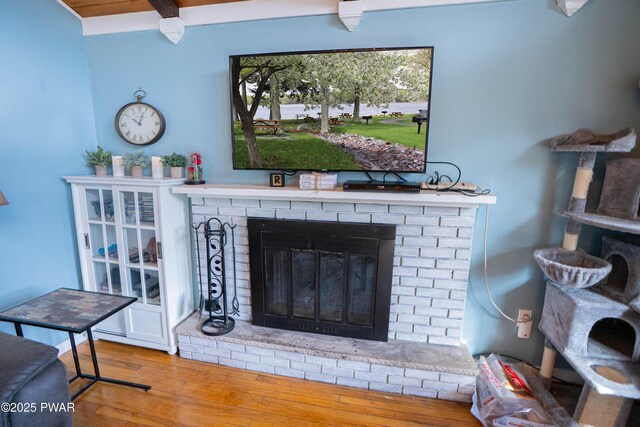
x=525 y=319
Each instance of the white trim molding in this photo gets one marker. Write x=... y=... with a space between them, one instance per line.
x=65 y=345
x=71 y=11
x=350 y=13
x=250 y=10
x=569 y=7
x=172 y=28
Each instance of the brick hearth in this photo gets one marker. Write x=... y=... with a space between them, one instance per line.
x=431 y=268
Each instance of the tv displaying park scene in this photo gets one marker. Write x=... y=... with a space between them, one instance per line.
x=345 y=110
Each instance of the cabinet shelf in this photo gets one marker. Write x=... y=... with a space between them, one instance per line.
x=100 y=222
x=143 y=225
x=147 y=266
x=113 y=261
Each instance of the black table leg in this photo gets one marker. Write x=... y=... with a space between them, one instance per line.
x=76 y=360
x=18 y=327
x=97 y=377
x=94 y=358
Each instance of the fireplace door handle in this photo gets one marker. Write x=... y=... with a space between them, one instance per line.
x=159 y=250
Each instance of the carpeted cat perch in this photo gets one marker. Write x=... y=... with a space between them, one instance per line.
x=591 y=311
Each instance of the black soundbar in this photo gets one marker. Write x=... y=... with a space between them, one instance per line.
x=381 y=186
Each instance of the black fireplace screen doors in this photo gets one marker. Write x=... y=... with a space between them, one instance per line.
x=322 y=277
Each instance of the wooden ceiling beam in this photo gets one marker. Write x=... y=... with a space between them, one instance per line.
x=166 y=8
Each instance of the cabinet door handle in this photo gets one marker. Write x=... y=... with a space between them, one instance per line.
x=86 y=241
x=159 y=250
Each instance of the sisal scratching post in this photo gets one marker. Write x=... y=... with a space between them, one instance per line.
x=577 y=204
x=548 y=362
x=595 y=409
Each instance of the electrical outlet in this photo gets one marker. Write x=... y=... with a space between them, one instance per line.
x=525 y=323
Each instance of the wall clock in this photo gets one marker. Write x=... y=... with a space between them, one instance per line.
x=139 y=123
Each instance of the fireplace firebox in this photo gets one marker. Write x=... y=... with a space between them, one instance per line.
x=322 y=277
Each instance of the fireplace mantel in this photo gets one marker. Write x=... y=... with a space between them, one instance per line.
x=424 y=198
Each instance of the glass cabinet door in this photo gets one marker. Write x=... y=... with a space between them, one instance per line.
x=140 y=249
x=101 y=240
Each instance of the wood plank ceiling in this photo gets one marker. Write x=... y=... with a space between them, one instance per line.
x=89 y=8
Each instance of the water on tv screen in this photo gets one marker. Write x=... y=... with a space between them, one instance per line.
x=345 y=110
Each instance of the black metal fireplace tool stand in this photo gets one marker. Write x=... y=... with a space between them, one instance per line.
x=215 y=235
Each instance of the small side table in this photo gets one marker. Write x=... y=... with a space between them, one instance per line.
x=75 y=312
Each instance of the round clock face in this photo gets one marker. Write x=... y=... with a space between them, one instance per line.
x=139 y=123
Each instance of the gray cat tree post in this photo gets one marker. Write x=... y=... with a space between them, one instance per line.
x=597 y=328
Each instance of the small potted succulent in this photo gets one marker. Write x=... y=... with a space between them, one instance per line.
x=176 y=162
x=136 y=161
x=99 y=159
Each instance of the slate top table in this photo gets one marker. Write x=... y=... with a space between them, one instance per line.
x=72 y=311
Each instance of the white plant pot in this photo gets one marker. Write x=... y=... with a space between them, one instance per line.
x=101 y=170
x=176 y=171
x=136 y=171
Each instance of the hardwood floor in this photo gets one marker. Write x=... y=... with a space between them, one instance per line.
x=187 y=392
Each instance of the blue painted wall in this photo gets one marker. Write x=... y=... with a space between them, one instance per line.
x=507 y=76
x=46 y=123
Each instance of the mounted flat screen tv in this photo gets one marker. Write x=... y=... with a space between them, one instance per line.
x=339 y=110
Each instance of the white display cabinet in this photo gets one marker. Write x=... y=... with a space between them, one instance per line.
x=134 y=240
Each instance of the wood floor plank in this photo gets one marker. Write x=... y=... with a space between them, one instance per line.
x=191 y=393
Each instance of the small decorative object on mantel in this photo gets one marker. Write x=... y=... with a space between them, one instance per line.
x=176 y=162
x=157 y=169
x=318 y=181
x=136 y=161
x=276 y=179
x=194 y=170
x=100 y=159
x=117 y=163
x=139 y=123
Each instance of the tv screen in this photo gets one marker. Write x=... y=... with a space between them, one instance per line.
x=339 y=110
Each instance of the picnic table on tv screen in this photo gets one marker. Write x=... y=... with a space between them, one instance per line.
x=334 y=121
x=395 y=114
x=274 y=125
x=345 y=115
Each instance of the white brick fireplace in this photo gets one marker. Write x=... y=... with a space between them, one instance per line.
x=431 y=267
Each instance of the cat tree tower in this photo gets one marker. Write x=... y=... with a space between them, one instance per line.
x=591 y=312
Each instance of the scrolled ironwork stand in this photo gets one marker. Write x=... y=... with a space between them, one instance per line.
x=215 y=235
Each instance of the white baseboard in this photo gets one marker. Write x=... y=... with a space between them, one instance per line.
x=568 y=375
x=65 y=345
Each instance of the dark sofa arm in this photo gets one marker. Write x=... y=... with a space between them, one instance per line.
x=30 y=372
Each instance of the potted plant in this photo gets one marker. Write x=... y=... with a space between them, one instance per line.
x=176 y=162
x=100 y=159
x=135 y=161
